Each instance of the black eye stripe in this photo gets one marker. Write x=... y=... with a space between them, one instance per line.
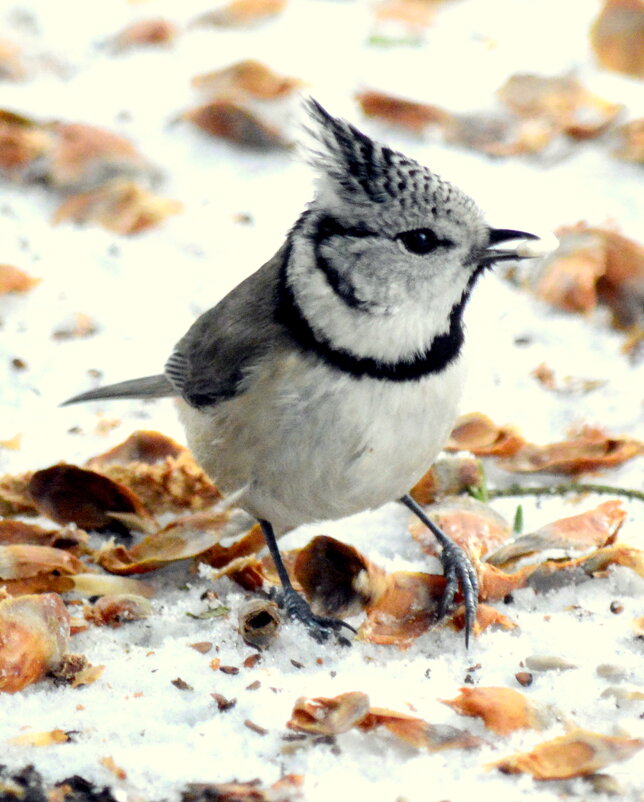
x=422 y=241
x=331 y=227
x=419 y=241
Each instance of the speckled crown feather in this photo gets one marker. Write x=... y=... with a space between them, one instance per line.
x=365 y=170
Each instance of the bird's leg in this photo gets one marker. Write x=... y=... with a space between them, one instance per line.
x=296 y=606
x=457 y=568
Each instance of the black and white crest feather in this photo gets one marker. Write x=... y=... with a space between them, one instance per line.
x=363 y=170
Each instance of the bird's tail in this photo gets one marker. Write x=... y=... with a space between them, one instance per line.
x=146 y=387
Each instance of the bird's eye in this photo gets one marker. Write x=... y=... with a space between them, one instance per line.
x=422 y=241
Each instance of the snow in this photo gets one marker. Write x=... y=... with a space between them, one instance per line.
x=144 y=291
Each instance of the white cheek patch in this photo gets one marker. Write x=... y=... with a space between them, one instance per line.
x=534 y=248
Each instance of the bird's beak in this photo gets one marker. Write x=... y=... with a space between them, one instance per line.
x=491 y=254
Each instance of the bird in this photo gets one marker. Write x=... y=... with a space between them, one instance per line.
x=327 y=382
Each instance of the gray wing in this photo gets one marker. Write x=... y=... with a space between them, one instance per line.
x=210 y=362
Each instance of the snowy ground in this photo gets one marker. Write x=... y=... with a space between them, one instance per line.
x=144 y=291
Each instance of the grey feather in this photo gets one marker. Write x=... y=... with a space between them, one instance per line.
x=211 y=362
x=145 y=387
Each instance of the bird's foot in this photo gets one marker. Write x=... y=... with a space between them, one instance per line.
x=459 y=570
x=456 y=567
x=319 y=627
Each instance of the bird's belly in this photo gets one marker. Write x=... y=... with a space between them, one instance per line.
x=318 y=444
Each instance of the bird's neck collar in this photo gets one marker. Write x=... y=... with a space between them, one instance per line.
x=434 y=357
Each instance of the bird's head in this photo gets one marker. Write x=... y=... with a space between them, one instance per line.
x=384 y=258
x=389 y=228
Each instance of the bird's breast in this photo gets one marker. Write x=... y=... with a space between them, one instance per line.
x=307 y=442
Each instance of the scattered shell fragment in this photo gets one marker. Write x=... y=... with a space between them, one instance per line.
x=22 y=144
x=413 y=14
x=595 y=264
x=110 y=764
x=588 y=449
x=115 y=610
x=495 y=584
x=229 y=120
x=145 y=33
x=474 y=526
x=335 y=577
x=76 y=670
x=630 y=139
x=14 y=495
x=449 y=476
x=259 y=621
x=148 y=447
x=325 y=716
x=68 y=494
x=616 y=36
x=67 y=156
x=576 y=754
x=180 y=539
x=248 y=572
x=406 y=114
x=40 y=583
x=419 y=733
x=34 y=633
x=173 y=484
x=503 y=710
x=84 y=157
x=501 y=134
x=561 y=100
x=121 y=206
x=404 y=609
x=477 y=433
x=240 y=13
x=12 y=443
x=47 y=738
x=21 y=562
x=486 y=616
x=77 y=325
x=249 y=77
x=569 y=385
x=249 y=544
x=13 y=279
x=569 y=276
x=597 y=527
x=104 y=585
x=12 y=67
x=617 y=554
x=551 y=574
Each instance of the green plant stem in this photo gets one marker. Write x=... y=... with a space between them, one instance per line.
x=562 y=489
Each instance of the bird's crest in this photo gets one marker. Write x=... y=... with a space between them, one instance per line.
x=362 y=170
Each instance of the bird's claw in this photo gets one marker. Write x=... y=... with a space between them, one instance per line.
x=319 y=627
x=459 y=570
